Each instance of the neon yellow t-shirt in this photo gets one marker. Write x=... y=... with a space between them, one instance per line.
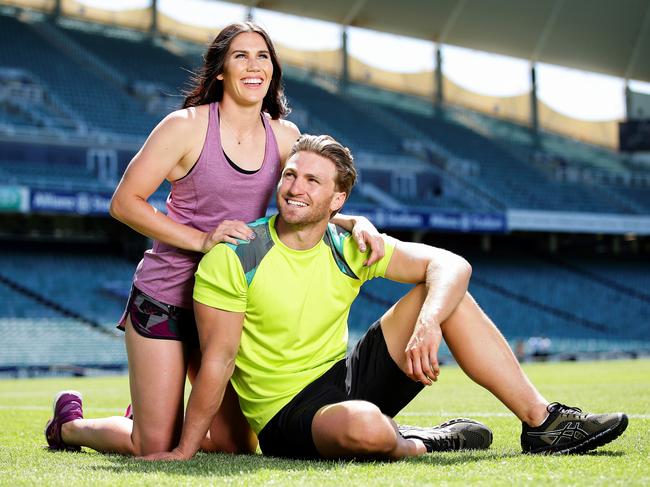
x=296 y=306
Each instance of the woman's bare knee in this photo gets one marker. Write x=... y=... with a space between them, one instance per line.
x=154 y=441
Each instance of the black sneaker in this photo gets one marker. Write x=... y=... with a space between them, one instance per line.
x=569 y=430
x=457 y=434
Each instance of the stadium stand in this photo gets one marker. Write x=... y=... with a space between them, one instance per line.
x=66 y=167
x=136 y=58
x=55 y=278
x=470 y=161
x=25 y=102
x=561 y=293
x=102 y=104
x=579 y=306
x=8 y=117
x=40 y=336
x=345 y=121
x=378 y=146
x=506 y=160
x=512 y=180
x=639 y=196
x=39 y=174
x=72 y=89
x=19 y=305
x=526 y=296
x=69 y=347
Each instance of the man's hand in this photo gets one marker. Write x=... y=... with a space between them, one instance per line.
x=422 y=353
x=175 y=455
x=366 y=235
x=446 y=277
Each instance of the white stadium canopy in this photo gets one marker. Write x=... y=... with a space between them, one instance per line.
x=604 y=36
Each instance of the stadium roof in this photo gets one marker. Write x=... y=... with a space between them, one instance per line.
x=604 y=36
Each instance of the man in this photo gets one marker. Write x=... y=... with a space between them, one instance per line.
x=273 y=314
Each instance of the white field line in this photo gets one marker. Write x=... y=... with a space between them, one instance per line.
x=49 y=408
x=469 y=414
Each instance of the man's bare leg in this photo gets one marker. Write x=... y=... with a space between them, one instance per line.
x=478 y=347
x=359 y=429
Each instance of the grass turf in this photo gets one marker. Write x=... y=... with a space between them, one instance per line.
x=25 y=406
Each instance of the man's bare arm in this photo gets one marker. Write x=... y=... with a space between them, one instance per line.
x=446 y=276
x=219 y=333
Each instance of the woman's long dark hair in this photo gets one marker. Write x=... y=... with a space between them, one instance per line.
x=208 y=89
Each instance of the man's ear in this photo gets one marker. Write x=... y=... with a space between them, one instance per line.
x=338 y=201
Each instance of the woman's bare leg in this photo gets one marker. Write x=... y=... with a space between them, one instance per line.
x=157 y=377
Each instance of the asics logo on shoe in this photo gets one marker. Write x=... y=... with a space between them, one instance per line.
x=569 y=431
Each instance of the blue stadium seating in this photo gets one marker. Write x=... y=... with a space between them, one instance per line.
x=56 y=277
x=52 y=342
x=330 y=113
x=11 y=117
x=62 y=167
x=365 y=119
x=583 y=305
x=102 y=104
x=365 y=134
x=44 y=176
x=35 y=334
x=138 y=59
x=640 y=196
x=516 y=168
x=17 y=305
x=512 y=180
x=587 y=307
x=569 y=151
x=578 y=304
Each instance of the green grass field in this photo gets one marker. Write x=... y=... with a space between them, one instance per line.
x=596 y=386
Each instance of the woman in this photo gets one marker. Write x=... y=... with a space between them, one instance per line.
x=233 y=114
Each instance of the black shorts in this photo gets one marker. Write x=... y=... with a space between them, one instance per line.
x=368 y=373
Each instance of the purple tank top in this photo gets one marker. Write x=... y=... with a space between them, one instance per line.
x=211 y=192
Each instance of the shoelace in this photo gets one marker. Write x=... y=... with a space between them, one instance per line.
x=442 y=443
x=556 y=407
x=72 y=407
x=436 y=440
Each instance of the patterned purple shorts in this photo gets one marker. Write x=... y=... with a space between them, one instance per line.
x=154 y=319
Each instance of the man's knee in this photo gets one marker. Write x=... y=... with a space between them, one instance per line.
x=359 y=427
x=420 y=291
x=462 y=314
